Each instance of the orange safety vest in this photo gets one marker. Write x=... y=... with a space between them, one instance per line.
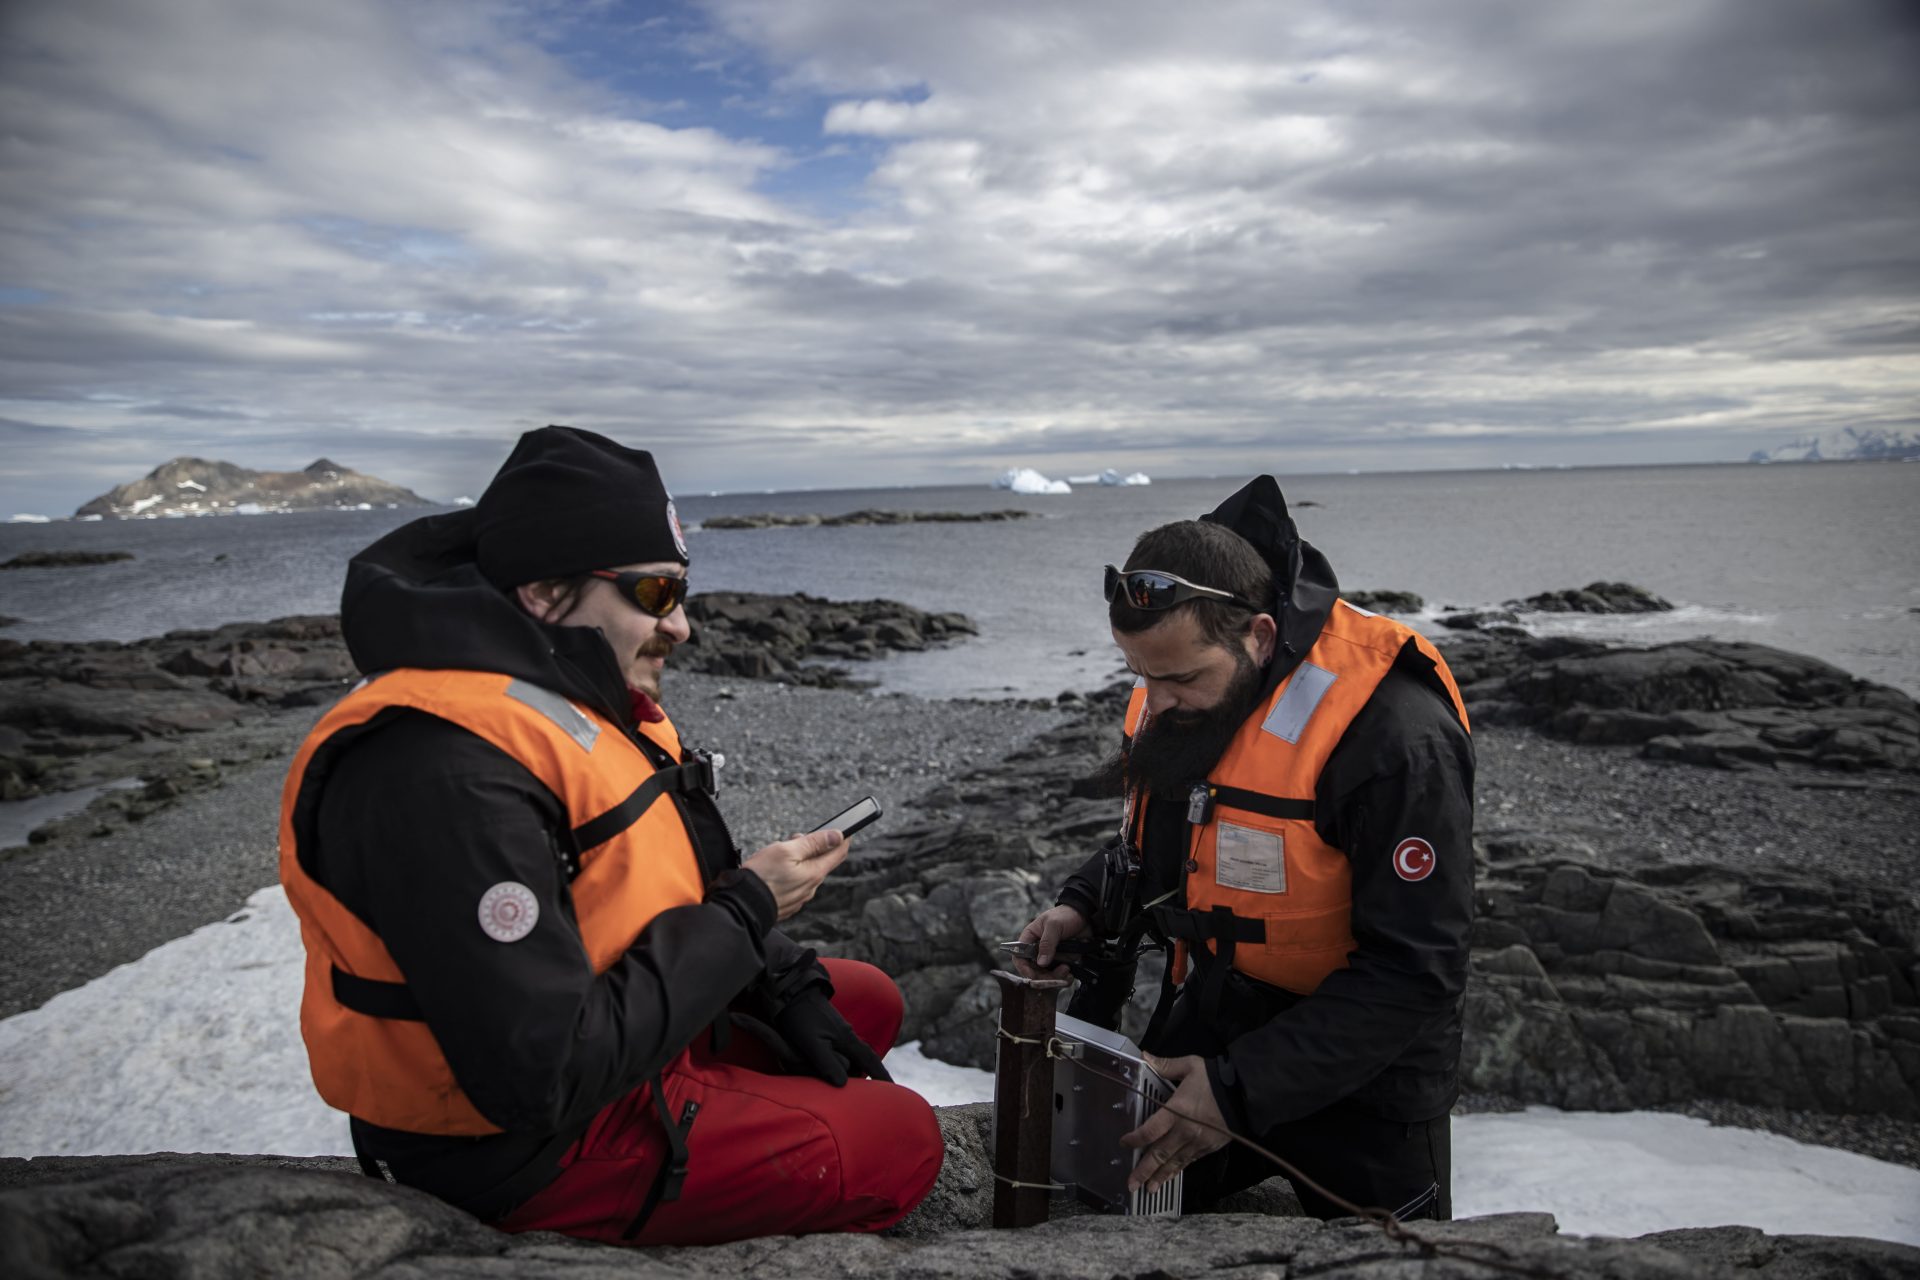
x=372 y=1054
x=1262 y=887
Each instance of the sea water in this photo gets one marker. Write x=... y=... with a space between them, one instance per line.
x=1816 y=558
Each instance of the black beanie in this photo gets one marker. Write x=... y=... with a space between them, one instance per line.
x=566 y=501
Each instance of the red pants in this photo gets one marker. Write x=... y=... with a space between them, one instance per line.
x=767 y=1155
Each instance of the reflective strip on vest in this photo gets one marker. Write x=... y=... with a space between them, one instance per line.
x=572 y=721
x=1305 y=688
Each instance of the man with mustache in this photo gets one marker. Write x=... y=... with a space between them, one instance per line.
x=542 y=979
x=1297 y=834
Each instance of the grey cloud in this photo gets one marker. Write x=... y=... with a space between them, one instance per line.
x=1543 y=229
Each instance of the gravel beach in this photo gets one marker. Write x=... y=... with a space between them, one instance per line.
x=79 y=905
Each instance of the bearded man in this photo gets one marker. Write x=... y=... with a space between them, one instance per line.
x=1297 y=834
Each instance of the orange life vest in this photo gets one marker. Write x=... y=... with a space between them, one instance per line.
x=1262 y=887
x=635 y=860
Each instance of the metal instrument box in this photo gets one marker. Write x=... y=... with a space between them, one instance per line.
x=1092 y=1109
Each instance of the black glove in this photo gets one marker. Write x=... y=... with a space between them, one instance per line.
x=824 y=1042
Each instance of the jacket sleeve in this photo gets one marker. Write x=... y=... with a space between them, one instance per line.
x=1403 y=771
x=419 y=820
x=1082 y=889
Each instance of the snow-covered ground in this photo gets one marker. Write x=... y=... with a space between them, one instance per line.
x=196 y=1047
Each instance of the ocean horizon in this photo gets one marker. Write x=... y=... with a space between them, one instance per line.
x=1811 y=558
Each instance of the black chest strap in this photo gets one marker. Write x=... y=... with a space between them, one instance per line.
x=695 y=775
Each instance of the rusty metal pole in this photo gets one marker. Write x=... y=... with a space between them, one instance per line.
x=1023 y=1100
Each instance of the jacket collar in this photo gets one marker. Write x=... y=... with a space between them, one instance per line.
x=1304 y=586
x=416 y=598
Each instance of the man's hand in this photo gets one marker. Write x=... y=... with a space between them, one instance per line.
x=826 y=1045
x=794 y=868
x=1171 y=1136
x=1045 y=931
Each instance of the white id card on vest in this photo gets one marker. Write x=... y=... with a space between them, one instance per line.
x=1244 y=858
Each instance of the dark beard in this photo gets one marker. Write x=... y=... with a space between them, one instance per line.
x=1179 y=748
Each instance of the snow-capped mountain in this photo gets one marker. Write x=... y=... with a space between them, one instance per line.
x=1846 y=444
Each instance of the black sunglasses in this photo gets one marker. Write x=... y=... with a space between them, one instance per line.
x=658 y=594
x=1157 y=589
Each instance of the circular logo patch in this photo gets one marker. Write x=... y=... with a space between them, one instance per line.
x=1413 y=859
x=508 y=911
x=679 y=538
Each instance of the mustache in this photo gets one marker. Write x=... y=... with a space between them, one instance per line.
x=655 y=647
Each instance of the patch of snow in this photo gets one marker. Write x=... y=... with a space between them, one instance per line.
x=89 y=519
x=463 y=501
x=141 y=504
x=940 y=1083
x=248 y=509
x=1027 y=480
x=194 y=485
x=1628 y=1173
x=196 y=1047
x=27 y=517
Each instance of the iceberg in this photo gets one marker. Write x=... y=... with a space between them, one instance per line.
x=1111 y=478
x=26 y=517
x=1027 y=480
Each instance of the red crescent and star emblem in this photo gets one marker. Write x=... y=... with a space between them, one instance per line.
x=1413 y=859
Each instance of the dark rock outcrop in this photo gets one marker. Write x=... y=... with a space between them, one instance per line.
x=64 y=559
x=215 y=1217
x=867 y=516
x=1712 y=702
x=1595 y=990
x=77 y=713
x=1385 y=601
x=1595 y=597
x=795 y=638
x=196 y=486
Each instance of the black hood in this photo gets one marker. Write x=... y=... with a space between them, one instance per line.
x=1304 y=588
x=416 y=598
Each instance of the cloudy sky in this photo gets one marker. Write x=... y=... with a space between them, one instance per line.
x=857 y=242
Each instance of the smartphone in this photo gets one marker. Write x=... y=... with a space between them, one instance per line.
x=853 y=818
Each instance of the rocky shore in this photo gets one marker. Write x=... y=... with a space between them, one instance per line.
x=221 y=1217
x=78 y=714
x=1670 y=916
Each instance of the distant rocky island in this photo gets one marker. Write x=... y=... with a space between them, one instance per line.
x=197 y=487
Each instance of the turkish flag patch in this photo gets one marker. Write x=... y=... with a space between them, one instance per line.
x=1413 y=859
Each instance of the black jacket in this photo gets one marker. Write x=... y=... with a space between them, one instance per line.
x=1384 y=1032
x=419 y=817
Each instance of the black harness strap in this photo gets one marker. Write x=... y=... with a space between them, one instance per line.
x=1196 y=929
x=682 y=779
x=376 y=999
x=1265 y=805
x=673 y=1171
